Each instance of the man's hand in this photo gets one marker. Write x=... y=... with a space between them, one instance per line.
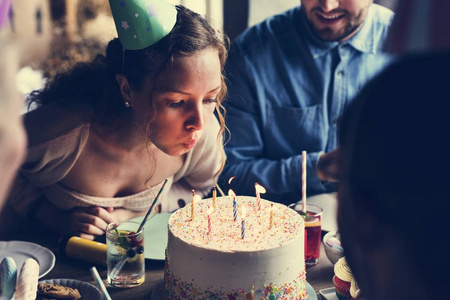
x=328 y=166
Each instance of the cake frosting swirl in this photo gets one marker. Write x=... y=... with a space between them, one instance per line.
x=342 y=270
x=354 y=289
x=215 y=260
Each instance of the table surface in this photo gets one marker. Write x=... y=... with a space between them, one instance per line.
x=319 y=276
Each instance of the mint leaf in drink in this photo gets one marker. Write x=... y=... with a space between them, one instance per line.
x=122 y=239
x=306 y=216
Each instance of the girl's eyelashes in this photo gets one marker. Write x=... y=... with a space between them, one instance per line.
x=214 y=100
x=175 y=104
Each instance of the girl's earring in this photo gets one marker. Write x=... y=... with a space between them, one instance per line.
x=127 y=104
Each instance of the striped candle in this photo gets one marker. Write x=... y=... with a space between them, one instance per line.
x=304 y=181
x=214 y=197
x=192 y=205
x=208 y=214
x=234 y=209
x=232 y=195
x=243 y=214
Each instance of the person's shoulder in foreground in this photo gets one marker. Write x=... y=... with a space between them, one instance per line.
x=393 y=216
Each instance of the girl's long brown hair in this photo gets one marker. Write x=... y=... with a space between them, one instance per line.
x=95 y=83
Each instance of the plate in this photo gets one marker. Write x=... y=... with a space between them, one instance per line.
x=158 y=291
x=155 y=235
x=330 y=294
x=87 y=290
x=20 y=251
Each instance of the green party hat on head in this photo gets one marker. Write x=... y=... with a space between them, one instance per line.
x=142 y=23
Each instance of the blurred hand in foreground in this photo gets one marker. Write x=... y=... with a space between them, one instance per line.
x=328 y=166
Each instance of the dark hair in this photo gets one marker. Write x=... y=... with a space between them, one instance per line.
x=95 y=82
x=395 y=144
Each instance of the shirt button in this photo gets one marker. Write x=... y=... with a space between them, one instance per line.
x=340 y=73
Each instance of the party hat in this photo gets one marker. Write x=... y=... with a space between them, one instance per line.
x=142 y=23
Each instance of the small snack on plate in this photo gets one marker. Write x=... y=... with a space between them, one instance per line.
x=8 y=277
x=28 y=279
x=55 y=291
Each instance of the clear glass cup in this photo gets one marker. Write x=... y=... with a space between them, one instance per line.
x=125 y=254
x=313 y=231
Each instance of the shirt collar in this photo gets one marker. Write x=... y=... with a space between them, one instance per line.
x=362 y=41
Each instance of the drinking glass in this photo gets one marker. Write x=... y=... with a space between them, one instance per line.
x=125 y=254
x=313 y=231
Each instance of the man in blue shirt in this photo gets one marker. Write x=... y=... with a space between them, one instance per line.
x=290 y=78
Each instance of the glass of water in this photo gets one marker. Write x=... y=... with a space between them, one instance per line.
x=125 y=254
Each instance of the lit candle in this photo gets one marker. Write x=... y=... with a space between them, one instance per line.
x=259 y=190
x=208 y=214
x=195 y=198
x=243 y=213
x=232 y=195
x=271 y=216
x=214 y=197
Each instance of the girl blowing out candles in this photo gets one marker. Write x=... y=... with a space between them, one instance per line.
x=107 y=133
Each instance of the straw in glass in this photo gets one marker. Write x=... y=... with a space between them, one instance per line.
x=122 y=262
x=304 y=181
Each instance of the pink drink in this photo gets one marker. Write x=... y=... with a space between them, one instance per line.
x=313 y=233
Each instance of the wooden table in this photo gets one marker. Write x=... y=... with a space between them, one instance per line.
x=319 y=276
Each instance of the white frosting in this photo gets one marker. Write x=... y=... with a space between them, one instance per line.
x=222 y=261
x=342 y=270
x=28 y=280
x=354 y=289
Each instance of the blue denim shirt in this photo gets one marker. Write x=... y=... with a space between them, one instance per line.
x=287 y=91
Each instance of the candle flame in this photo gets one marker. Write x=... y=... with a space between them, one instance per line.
x=231 y=179
x=259 y=188
x=196 y=198
x=210 y=210
x=231 y=194
x=243 y=212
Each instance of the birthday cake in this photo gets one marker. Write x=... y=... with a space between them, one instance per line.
x=255 y=252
